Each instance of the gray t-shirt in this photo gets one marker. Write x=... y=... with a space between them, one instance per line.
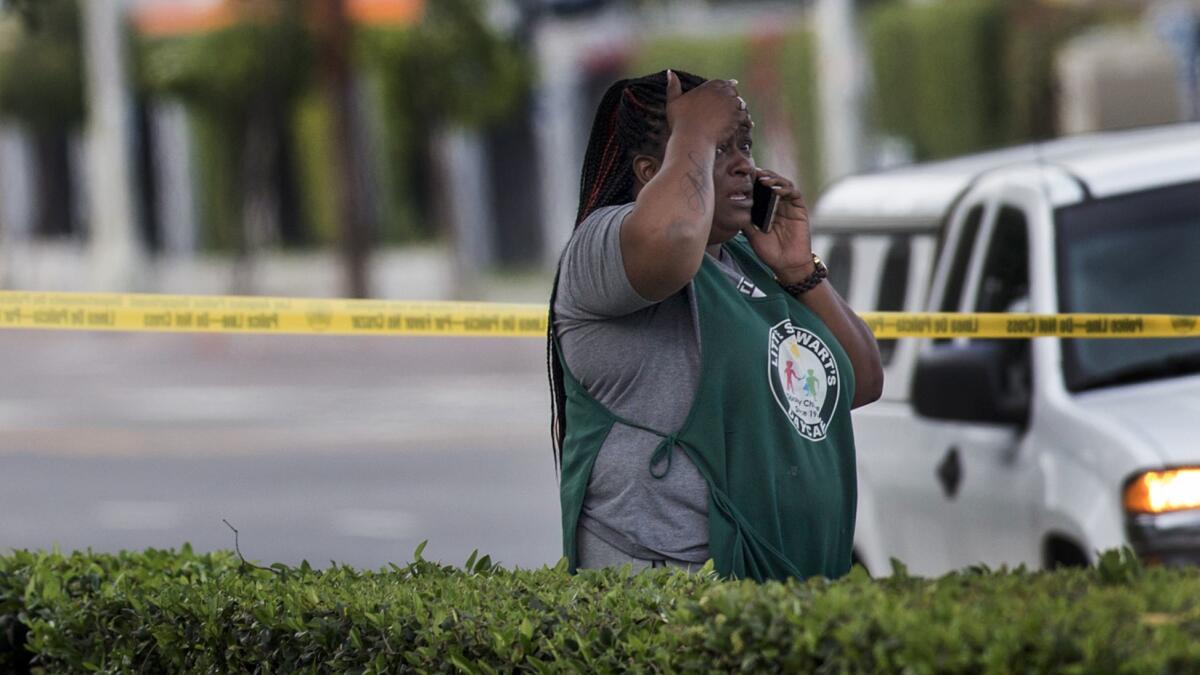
x=641 y=360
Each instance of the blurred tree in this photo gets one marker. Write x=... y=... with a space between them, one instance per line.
x=41 y=88
x=449 y=68
x=958 y=76
x=337 y=83
x=41 y=79
x=30 y=11
x=241 y=83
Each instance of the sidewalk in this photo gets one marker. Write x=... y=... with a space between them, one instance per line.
x=425 y=272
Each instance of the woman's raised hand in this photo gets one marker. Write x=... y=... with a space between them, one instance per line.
x=787 y=248
x=712 y=111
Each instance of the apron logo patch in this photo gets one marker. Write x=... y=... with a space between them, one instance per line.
x=804 y=379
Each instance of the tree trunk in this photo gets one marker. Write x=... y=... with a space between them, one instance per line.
x=338 y=88
x=260 y=207
x=52 y=205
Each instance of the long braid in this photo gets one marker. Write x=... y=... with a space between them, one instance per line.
x=600 y=144
x=630 y=120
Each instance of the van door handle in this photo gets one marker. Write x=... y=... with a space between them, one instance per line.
x=949 y=473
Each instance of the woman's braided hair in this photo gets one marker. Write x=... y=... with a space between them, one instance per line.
x=631 y=120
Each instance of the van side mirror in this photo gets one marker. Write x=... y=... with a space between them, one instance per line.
x=970 y=383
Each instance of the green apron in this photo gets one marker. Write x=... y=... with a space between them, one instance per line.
x=769 y=430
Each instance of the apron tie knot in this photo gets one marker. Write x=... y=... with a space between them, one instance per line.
x=662 y=453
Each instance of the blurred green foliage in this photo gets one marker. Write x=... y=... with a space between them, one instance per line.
x=712 y=57
x=30 y=11
x=182 y=612
x=41 y=72
x=450 y=69
x=776 y=74
x=959 y=76
x=229 y=79
x=228 y=70
x=938 y=75
x=218 y=196
x=798 y=73
x=310 y=124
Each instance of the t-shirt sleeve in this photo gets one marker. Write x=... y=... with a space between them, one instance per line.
x=592 y=283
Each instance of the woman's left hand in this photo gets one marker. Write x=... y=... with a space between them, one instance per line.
x=787 y=248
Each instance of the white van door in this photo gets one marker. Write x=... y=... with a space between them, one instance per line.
x=988 y=473
x=911 y=466
x=952 y=492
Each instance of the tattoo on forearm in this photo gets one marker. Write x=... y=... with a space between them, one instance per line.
x=697 y=184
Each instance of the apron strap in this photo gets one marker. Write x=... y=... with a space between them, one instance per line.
x=662 y=452
x=746 y=537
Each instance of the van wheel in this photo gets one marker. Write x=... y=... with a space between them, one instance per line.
x=1062 y=552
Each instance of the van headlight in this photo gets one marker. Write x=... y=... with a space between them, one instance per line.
x=1155 y=492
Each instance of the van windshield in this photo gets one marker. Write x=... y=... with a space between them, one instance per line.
x=1137 y=253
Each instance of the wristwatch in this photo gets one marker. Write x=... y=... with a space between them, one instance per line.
x=820 y=271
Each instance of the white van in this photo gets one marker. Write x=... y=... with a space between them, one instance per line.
x=1040 y=451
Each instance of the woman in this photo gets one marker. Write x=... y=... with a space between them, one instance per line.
x=702 y=371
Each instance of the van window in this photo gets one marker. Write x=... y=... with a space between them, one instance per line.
x=1005 y=278
x=1130 y=253
x=893 y=286
x=958 y=266
x=840 y=261
x=1004 y=287
x=962 y=256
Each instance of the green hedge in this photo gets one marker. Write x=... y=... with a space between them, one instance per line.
x=958 y=76
x=161 y=611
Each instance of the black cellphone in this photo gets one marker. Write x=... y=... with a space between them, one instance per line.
x=762 y=207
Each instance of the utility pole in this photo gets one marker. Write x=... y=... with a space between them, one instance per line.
x=337 y=82
x=840 y=83
x=116 y=255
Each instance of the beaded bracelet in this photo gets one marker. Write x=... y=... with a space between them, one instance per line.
x=819 y=273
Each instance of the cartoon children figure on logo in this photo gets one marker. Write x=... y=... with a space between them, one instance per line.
x=810 y=380
x=810 y=385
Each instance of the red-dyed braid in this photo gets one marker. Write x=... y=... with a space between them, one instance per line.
x=607 y=159
x=628 y=93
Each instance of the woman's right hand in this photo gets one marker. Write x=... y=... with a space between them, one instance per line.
x=712 y=111
x=664 y=237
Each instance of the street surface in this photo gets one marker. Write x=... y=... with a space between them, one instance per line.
x=346 y=449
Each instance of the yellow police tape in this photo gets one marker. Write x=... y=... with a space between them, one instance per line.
x=233 y=314
x=316 y=316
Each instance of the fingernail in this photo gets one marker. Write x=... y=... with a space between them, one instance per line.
x=733 y=81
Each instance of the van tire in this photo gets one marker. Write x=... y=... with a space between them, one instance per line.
x=1062 y=552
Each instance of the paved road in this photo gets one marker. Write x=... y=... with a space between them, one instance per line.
x=319 y=448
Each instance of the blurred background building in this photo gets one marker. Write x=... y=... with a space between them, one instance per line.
x=431 y=148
